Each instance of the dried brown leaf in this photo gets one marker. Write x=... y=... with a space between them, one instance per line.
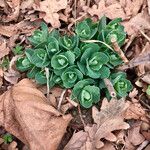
x=15 y=6
x=128 y=144
x=133 y=93
x=139 y=22
x=4 y=50
x=77 y=141
x=135 y=111
x=108 y=146
x=26 y=114
x=7 y=30
x=12 y=75
x=146 y=134
x=12 y=146
x=50 y=8
x=131 y=8
x=146 y=78
x=112 y=11
x=109 y=119
x=2 y=4
x=26 y=4
x=134 y=135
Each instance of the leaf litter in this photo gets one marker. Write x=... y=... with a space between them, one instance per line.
x=22 y=18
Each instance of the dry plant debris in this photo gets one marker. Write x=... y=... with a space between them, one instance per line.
x=109 y=119
x=22 y=109
x=50 y=9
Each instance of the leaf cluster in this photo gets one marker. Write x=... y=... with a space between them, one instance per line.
x=77 y=62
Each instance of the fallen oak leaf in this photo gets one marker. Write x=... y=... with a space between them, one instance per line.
x=108 y=120
x=26 y=113
x=51 y=7
x=112 y=11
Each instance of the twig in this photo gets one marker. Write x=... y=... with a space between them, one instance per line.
x=130 y=41
x=97 y=41
x=143 y=145
x=110 y=88
x=146 y=105
x=47 y=78
x=118 y=50
x=80 y=114
x=135 y=62
x=72 y=102
x=61 y=99
x=148 y=38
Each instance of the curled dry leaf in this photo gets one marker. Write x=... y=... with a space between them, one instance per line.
x=4 y=50
x=77 y=141
x=134 y=135
x=12 y=75
x=26 y=113
x=50 y=8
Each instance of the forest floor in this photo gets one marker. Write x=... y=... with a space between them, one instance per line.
x=123 y=125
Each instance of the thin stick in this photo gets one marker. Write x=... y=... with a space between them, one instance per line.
x=148 y=38
x=47 y=78
x=135 y=62
x=61 y=99
x=97 y=41
x=110 y=88
x=118 y=50
x=80 y=114
x=143 y=145
x=130 y=41
x=72 y=102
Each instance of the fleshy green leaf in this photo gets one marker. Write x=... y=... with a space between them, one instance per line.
x=40 y=77
x=70 y=76
x=53 y=47
x=23 y=64
x=40 y=58
x=86 y=29
x=39 y=38
x=69 y=43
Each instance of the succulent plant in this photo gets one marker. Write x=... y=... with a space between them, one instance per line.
x=75 y=61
